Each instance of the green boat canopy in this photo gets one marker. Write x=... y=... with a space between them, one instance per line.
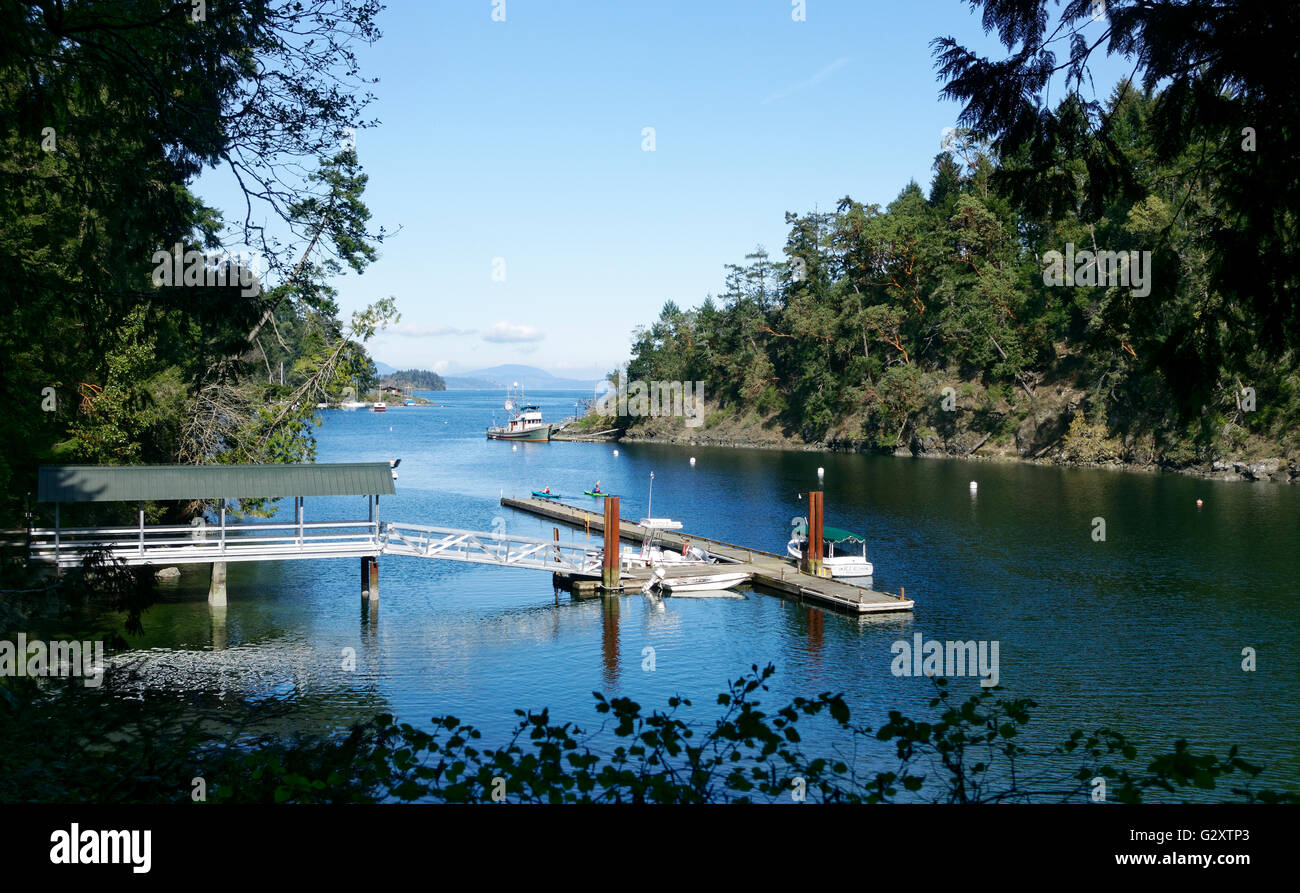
x=831 y=534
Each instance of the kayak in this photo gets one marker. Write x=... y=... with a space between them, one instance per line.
x=594 y=493
x=540 y=495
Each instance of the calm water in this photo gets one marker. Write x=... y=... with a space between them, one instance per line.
x=1143 y=631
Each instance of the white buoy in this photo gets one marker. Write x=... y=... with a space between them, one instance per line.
x=974 y=485
x=821 y=473
x=692 y=461
x=514 y=448
x=615 y=452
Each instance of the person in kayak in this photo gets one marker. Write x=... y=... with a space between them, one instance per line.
x=596 y=489
x=547 y=490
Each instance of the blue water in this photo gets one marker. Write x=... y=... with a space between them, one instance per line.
x=1144 y=631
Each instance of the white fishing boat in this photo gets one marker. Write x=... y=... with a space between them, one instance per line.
x=525 y=421
x=839 y=563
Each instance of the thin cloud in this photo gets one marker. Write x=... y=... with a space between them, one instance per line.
x=509 y=333
x=817 y=78
x=414 y=331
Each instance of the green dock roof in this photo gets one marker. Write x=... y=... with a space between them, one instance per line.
x=146 y=483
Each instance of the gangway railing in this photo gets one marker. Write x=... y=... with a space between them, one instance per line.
x=482 y=547
x=185 y=544
x=178 y=544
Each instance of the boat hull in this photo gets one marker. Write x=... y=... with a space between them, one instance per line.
x=707 y=583
x=540 y=434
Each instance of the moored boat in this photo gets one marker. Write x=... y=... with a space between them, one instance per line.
x=652 y=552
x=703 y=582
x=525 y=422
x=838 y=564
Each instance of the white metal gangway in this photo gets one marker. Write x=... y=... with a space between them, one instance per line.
x=174 y=544
x=481 y=547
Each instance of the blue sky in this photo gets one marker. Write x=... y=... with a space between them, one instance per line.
x=523 y=141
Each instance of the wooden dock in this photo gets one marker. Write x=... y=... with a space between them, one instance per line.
x=769 y=570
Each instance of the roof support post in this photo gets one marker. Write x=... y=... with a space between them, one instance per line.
x=56 y=535
x=297 y=508
x=370 y=516
x=140 y=508
x=222 y=547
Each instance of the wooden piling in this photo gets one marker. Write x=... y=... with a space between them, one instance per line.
x=813 y=553
x=217 y=585
x=609 y=565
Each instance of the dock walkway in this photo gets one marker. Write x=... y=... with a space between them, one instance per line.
x=769 y=570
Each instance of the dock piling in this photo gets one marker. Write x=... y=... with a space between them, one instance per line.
x=370 y=578
x=217 y=585
x=609 y=576
x=813 y=556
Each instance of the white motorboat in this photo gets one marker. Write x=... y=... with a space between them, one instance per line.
x=840 y=564
x=653 y=554
x=703 y=582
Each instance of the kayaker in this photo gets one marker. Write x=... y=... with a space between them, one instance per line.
x=596 y=489
x=547 y=490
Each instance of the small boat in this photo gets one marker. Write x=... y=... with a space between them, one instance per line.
x=598 y=493
x=707 y=593
x=652 y=552
x=540 y=494
x=703 y=582
x=525 y=421
x=379 y=407
x=839 y=565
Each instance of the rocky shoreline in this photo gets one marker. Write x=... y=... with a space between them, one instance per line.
x=1275 y=469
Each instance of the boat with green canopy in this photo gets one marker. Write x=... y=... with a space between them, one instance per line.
x=839 y=563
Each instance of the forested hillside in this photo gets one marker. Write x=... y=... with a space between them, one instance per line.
x=416 y=378
x=942 y=321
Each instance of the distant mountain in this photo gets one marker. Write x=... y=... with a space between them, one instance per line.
x=529 y=378
x=384 y=368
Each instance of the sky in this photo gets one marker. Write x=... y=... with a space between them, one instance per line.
x=537 y=226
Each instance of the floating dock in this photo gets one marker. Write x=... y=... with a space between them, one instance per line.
x=768 y=570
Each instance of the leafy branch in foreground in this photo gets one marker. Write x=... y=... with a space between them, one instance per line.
x=968 y=754
x=75 y=744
